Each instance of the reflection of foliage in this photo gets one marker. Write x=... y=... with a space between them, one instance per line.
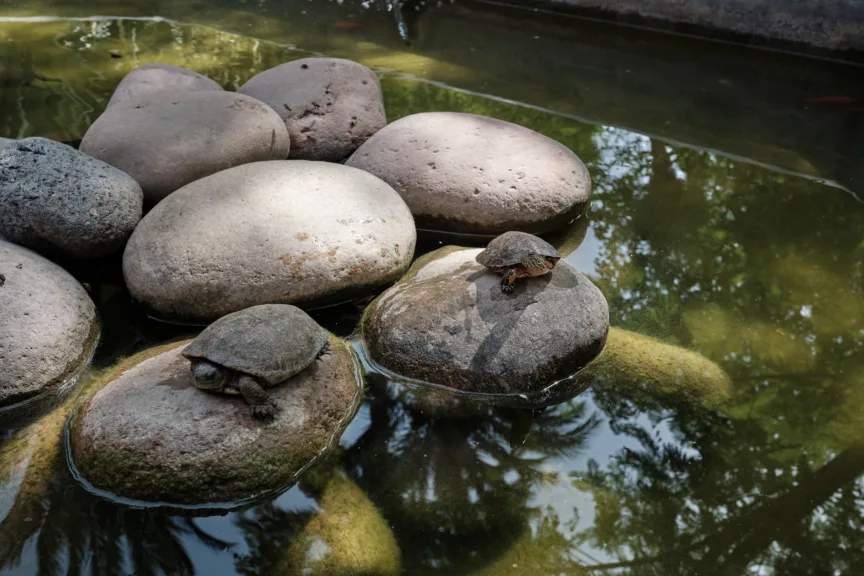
x=454 y=491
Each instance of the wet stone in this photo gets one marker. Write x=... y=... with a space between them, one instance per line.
x=48 y=327
x=151 y=435
x=448 y=323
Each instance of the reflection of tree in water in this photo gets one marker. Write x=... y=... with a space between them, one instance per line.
x=455 y=493
x=762 y=273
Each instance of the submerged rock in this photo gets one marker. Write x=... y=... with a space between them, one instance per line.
x=150 y=78
x=291 y=232
x=476 y=175
x=150 y=434
x=168 y=139
x=48 y=326
x=448 y=322
x=58 y=200
x=330 y=106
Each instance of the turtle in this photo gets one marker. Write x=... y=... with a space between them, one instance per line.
x=260 y=347
x=518 y=255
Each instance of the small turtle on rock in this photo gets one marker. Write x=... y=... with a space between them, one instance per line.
x=518 y=255
x=254 y=349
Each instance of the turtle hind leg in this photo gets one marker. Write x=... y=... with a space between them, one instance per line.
x=508 y=280
x=263 y=408
x=325 y=350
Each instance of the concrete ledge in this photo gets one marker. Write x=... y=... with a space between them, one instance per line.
x=824 y=25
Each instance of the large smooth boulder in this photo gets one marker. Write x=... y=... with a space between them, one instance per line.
x=150 y=434
x=330 y=106
x=168 y=139
x=48 y=326
x=448 y=323
x=477 y=175
x=58 y=200
x=292 y=232
x=151 y=78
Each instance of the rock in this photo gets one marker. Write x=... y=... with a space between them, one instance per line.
x=346 y=537
x=292 y=232
x=447 y=322
x=166 y=140
x=5 y=142
x=48 y=328
x=150 y=78
x=60 y=201
x=476 y=175
x=151 y=435
x=330 y=105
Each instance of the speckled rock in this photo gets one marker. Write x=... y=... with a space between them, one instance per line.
x=168 y=139
x=152 y=435
x=292 y=232
x=5 y=141
x=477 y=175
x=60 y=201
x=150 y=78
x=448 y=323
x=330 y=105
x=48 y=327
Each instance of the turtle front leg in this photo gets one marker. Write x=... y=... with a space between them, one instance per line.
x=263 y=408
x=508 y=280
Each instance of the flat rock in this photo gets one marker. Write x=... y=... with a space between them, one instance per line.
x=477 y=175
x=60 y=201
x=291 y=232
x=150 y=78
x=448 y=323
x=330 y=105
x=168 y=139
x=151 y=435
x=48 y=328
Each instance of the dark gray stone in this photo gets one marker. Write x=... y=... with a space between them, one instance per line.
x=150 y=434
x=150 y=78
x=448 y=323
x=476 y=175
x=48 y=325
x=330 y=105
x=58 y=200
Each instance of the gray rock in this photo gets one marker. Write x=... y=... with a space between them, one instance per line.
x=48 y=327
x=151 y=435
x=5 y=142
x=330 y=106
x=151 y=78
x=290 y=231
x=448 y=323
x=168 y=139
x=477 y=175
x=58 y=200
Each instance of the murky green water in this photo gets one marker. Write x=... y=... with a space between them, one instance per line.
x=734 y=230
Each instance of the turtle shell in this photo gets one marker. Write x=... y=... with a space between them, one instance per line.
x=509 y=248
x=272 y=342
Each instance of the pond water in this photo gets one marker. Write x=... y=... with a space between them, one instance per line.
x=726 y=219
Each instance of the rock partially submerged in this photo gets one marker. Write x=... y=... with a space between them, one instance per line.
x=448 y=323
x=330 y=106
x=150 y=78
x=48 y=327
x=289 y=232
x=169 y=138
x=57 y=200
x=151 y=435
x=477 y=175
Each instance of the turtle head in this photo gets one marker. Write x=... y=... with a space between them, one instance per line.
x=209 y=376
x=537 y=264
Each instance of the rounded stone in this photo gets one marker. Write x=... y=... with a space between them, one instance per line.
x=151 y=435
x=150 y=78
x=477 y=175
x=168 y=139
x=48 y=328
x=330 y=105
x=449 y=324
x=290 y=232
x=60 y=201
